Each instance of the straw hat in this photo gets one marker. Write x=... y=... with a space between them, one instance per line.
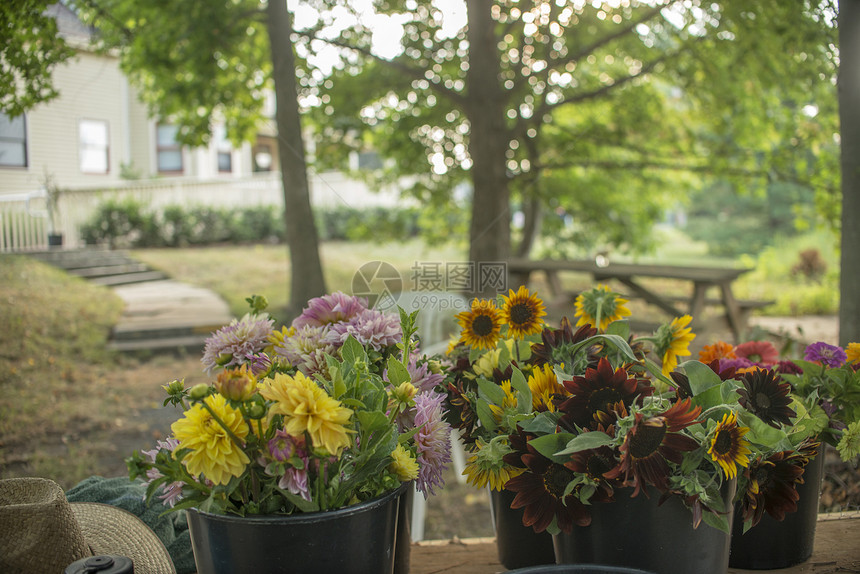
x=42 y=533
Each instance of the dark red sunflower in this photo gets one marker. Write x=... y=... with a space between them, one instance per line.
x=466 y=417
x=596 y=391
x=540 y=493
x=595 y=463
x=654 y=442
x=556 y=344
x=772 y=482
x=682 y=385
x=766 y=397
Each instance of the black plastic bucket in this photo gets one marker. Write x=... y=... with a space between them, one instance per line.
x=773 y=544
x=518 y=546
x=641 y=533
x=358 y=539
x=579 y=569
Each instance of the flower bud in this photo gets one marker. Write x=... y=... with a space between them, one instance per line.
x=404 y=393
x=435 y=367
x=199 y=392
x=223 y=359
x=236 y=384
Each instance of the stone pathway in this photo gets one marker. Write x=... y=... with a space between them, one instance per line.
x=159 y=313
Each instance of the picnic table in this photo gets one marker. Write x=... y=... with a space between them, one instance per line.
x=703 y=279
x=835 y=550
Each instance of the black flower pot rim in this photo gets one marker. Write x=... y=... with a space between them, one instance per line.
x=579 y=569
x=307 y=517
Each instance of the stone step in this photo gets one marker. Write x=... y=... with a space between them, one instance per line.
x=104 y=270
x=129 y=278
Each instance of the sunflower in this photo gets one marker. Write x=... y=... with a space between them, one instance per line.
x=673 y=341
x=719 y=350
x=541 y=495
x=487 y=465
x=600 y=306
x=544 y=384
x=509 y=403
x=597 y=390
x=765 y=397
x=852 y=353
x=556 y=345
x=522 y=312
x=772 y=486
x=729 y=448
x=595 y=463
x=481 y=324
x=653 y=442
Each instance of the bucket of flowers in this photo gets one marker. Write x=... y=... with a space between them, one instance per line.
x=306 y=433
x=816 y=401
x=626 y=457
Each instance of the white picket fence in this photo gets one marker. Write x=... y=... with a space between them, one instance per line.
x=24 y=222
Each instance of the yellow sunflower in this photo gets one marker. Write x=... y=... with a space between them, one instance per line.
x=599 y=302
x=481 y=324
x=852 y=351
x=509 y=402
x=729 y=448
x=487 y=467
x=522 y=311
x=308 y=408
x=213 y=452
x=673 y=341
x=543 y=384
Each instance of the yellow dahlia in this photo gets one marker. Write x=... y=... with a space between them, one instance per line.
x=213 y=452
x=522 y=311
x=403 y=464
x=543 y=384
x=308 y=408
x=852 y=351
x=481 y=324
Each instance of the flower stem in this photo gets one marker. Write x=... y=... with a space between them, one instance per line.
x=238 y=442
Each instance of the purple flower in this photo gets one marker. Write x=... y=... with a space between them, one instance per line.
x=370 y=328
x=738 y=363
x=433 y=441
x=170 y=493
x=306 y=349
x=827 y=355
x=232 y=344
x=329 y=309
x=420 y=375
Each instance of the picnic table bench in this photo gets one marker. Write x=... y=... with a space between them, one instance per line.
x=736 y=311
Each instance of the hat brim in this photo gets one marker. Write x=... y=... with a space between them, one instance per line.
x=112 y=530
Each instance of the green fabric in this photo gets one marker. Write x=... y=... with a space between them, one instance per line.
x=171 y=528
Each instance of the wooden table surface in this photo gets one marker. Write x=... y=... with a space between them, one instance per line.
x=837 y=550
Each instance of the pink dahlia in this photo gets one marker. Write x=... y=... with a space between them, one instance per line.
x=234 y=343
x=370 y=327
x=433 y=441
x=329 y=309
x=306 y=348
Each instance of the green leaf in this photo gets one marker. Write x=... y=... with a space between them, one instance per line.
x=542 y=423
x=352 y=352
x=760 y=433
x=397 y=372
x=620 y=328
x=586 y=441
x=519 y=384
x=701 y=376
x=485 y=415
x=491 y=392
x=551 y=444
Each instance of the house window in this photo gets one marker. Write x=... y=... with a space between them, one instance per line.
x=369 y=160
x=168 y=151
x=13 y=141
x=225 y=150
x=93 y=141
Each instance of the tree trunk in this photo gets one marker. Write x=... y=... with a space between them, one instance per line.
x=849 y=117
x=490 y=230
x=532 y=218
x=306 y=276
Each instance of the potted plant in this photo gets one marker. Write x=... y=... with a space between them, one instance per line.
x=295 y=457
x=777 y=501
x=625 y=456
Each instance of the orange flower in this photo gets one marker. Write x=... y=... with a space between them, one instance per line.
x=719 y=350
